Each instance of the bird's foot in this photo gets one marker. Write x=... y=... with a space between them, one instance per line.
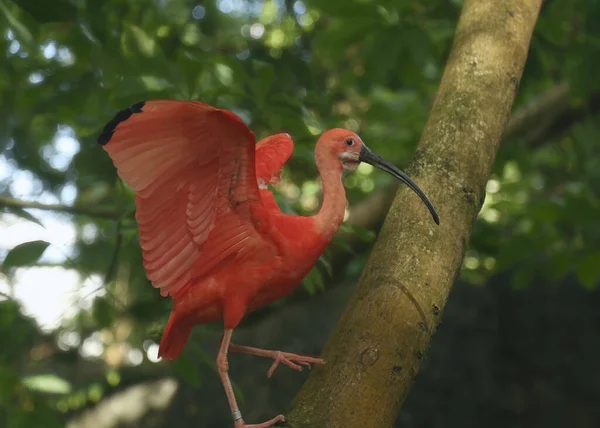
x=293 y=361
x=240 y=423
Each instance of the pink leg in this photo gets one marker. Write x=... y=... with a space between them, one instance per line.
x=223 y=368
x=293 y=361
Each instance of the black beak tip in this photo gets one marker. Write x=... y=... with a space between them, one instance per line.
x=377 y=161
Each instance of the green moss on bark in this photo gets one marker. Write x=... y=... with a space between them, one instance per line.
x=377 y=347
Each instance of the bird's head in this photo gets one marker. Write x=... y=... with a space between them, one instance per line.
x=342 y=145
x=350 y=151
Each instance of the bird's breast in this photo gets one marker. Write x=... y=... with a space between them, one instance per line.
x=299 y=249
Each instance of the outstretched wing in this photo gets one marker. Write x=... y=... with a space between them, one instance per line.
x=271 y=153
x=192 y=169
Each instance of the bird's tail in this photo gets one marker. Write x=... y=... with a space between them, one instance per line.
x=174 y=337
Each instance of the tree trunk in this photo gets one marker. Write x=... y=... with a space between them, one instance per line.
x=375 y=350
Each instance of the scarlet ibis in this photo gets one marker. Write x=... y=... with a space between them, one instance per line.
x=212 y=235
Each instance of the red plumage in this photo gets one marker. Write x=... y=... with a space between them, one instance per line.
x=212 y=235
x=208 y=238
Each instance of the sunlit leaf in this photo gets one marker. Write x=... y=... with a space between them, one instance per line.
x=145 y=43
x=49 y=383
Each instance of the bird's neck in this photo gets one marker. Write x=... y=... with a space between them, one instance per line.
x=331 y=214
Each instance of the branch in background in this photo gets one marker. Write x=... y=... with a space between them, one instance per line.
x=90 y=212
x=570 y=116
x=533 y=120
x=376 y=349
x=550 y=115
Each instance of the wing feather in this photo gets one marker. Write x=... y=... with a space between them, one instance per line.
x=271 y=154
x=192 y=168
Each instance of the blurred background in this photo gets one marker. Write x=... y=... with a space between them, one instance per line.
x=79 y=321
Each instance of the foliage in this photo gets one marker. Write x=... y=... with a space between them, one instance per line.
x=293 y=66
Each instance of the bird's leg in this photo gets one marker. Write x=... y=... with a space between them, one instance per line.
x=293 y=361
x=223 y=368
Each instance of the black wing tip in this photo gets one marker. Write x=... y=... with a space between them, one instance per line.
x=121 y=116
x=137 y=107
x=105 y=137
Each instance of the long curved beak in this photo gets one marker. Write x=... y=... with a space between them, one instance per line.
x=372 y=158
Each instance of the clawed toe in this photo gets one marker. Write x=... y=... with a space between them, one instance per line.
x=293 y=361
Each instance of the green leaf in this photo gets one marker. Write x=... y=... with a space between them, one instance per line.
x=326 y=265
x=8 y=383
x=25 y=254
x=588 y=270
x=49 y=11
x=187 y=369
x=23 y=214
x=49 y=383
x=314 y=281
x=342 y=244
x=136 y=41
x=103 y=312
x=365 y=235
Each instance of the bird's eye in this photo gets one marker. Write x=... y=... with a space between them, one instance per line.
x=349 y=142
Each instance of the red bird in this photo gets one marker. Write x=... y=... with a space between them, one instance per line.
x=212 y=235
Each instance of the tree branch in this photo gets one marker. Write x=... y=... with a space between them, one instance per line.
x=90 y=212
x=375 y=350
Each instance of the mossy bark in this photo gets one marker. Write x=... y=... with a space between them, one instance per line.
x=375 y=351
